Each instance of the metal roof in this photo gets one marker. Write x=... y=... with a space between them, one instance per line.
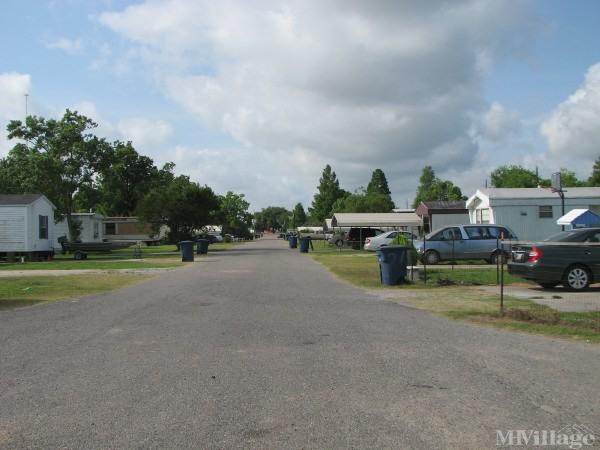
x=21 y=199
x=375 y=220
x=570 y=192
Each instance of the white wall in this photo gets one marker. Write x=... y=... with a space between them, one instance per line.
x=87 y=229
x=13 y=228
x=40 y=207
x=522 y=215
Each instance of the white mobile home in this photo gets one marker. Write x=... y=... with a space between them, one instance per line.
x=92 y=229
x=530 y=212
x=26 y=225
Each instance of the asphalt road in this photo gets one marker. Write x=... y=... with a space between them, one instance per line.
x=260 y=347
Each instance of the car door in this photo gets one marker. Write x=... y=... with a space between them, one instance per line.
x=451 y=244
x=592 y=254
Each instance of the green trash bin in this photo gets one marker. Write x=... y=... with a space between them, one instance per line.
x=202 y=246
x=187 y=251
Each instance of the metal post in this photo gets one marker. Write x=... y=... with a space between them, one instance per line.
x=497 y=261
x=424 y=260
x=502 y=287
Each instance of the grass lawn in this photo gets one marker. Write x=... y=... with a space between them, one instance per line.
x=25 y=291
x=362 y=269
x=160 y=256
x=454 y=294
x=480 y=307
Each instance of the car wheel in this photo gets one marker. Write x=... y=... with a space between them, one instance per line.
x=339 y=243
x=78 y=256
x=577 y=278
x=548 y=285
x=495 y=258
x=432 y=257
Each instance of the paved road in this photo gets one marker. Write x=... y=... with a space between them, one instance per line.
x=260 y=347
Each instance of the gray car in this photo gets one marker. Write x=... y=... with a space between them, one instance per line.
x=457 y=242
x=385 y=239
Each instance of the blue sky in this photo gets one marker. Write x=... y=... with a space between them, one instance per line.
x=258 y=99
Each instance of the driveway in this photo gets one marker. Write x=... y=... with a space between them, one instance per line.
x=259 y=347
x=559 y=298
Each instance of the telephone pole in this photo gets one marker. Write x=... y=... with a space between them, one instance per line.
x=26 y=101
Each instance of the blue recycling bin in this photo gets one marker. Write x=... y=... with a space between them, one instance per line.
x=202 y=246
x=293 y=241
x=392 y=264
x=187 y=251
x=304 y=243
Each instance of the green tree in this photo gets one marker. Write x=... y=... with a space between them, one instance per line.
x=363 y=202
x=234 y=215
x=328 y=192
x=55 y=157
x=125 y=180
x=184 y=206
x=594 y=179
x=515 y=177
x=569 y=179
x=431 y=188
x=298 y=216
x=272 y=218
x=378 y=188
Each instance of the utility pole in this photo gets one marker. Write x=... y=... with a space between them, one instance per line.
x=26 y=101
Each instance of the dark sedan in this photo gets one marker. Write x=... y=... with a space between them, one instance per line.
x=570 y=258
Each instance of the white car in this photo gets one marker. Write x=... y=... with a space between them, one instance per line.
x=385 y=239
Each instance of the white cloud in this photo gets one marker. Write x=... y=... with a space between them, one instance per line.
x=572 y=130
x=13 y=87
x=70 y=46
x=145 y=132
x=497 y=124
x=360 y=85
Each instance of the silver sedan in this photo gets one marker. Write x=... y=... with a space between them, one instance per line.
x=385 y=239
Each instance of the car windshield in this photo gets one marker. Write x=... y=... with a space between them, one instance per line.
x=566 y=236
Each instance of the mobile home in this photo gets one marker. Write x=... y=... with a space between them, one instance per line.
x=26 y=225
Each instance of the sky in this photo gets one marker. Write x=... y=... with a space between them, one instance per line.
x=256 y=97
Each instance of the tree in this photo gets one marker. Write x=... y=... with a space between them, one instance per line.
x=272 y=218
x=126 y=178
x=55 y=157
x=184 y=206
x=515 y=177
x=378 y=188
x=328 y=192
x=569 y=179
x=362 y=202
x=234 y=216
x=431 y=188
x=594 y=179
x=298 y=216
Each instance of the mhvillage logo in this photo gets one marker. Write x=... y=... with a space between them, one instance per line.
x=571 y=436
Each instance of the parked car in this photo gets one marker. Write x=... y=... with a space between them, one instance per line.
x=312 y=233
x=458 y=242
x=352 y=237
x=384 y=239
x=570 y=258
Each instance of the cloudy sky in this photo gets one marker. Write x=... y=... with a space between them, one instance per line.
x=257 y=96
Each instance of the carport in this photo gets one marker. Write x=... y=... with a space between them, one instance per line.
x=390 y=221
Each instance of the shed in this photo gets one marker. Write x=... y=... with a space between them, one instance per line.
x=437 y=214
x=579 y=218
x=26 y=225
x=530 y=212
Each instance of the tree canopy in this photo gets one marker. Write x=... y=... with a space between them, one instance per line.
x=513 y=176
x=298 y=216
x=234 y=216
x=594 y=179
x=328 y=192
x=431 y=188
x=272 y=218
